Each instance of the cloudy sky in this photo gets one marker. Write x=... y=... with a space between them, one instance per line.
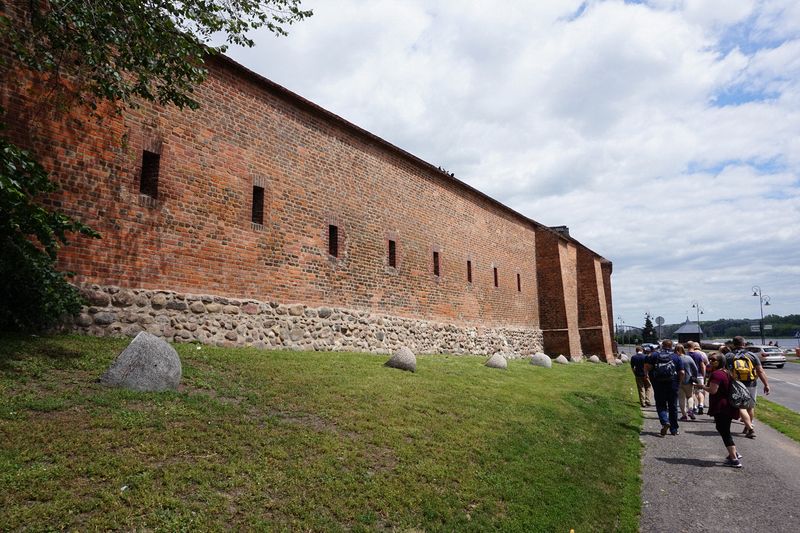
x=664 y=133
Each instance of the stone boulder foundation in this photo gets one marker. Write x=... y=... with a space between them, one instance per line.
x=498 y=360
x=404 y=359
x=624 y=358
x=561 y=360
x=148 y=364
x=540 y=359
x=594 y=359
x=576 y=358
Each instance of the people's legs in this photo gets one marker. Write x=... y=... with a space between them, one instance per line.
x=744 y=414
x=723 y=425
x=682 y=401
x=648 y=394
x=687 y=391
x=753 y=390
x=661 y=393
x=642 y=391
x=672 y=391
x=699 y=398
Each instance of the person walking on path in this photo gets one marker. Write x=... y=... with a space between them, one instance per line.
x=746 y=367
x=719 y=385
x=701 y=361
x=642 y=383
x=665 y=371
x=686 y=390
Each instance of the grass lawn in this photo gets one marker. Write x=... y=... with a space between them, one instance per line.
x=779 y=417
x=314 y=442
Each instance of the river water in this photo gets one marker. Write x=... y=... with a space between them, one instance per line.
x=755 y=338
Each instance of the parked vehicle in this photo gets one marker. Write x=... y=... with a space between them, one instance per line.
x=769 y=355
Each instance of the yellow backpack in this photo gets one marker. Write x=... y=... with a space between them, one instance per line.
x=743 y=369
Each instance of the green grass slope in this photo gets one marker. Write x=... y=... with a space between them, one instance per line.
x=288 y=441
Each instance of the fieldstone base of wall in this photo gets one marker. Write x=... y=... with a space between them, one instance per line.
x=178 y=317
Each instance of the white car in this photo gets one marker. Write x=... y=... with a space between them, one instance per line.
x=769 y=355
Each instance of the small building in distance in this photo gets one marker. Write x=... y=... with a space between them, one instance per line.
x=689 y=331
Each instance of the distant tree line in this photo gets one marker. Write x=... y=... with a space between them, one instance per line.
x=782 y=326
x=724 y=328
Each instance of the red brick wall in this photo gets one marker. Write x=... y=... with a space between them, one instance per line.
x=607 y=270
x=558 y=286
x=198 y=237
x=594 y=303
x=551 y=285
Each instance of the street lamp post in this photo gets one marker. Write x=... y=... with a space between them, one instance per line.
x=696 y=306
x=763 y=300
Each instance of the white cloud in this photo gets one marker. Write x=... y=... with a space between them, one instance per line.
x=665 y=134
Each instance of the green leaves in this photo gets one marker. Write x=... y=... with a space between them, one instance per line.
x=34 y=294
x=22 y=179
x=150 y=49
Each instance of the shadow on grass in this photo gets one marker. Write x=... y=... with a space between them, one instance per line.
x=18 y=347
x=629 y=427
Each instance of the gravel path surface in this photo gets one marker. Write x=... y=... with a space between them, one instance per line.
x=686 y=487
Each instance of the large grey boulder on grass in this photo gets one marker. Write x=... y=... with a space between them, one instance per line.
x=404 y=359
x=561 y=360
x=594 y=359
x=540 y=359
x=148 y=364
x=498 y=360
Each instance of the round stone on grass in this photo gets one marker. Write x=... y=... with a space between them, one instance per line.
x=148 y=364
x=540 y=359
x=404 y=359
x=498 y=360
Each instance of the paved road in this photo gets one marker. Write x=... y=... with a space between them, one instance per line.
x=784 y=384
x=686 y=488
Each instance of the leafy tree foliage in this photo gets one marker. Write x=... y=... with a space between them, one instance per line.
x=87 y=52
x=34 y=293
x=118 y=50
x=649 y=333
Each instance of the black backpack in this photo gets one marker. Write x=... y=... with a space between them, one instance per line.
x=664 y=368
x=739 y=396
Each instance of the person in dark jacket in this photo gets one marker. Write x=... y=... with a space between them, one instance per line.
x=665 y=371
x=719 y=385
x=642 y=383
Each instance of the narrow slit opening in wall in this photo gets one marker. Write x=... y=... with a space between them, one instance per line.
x=333 y=240
x=148 y=179
x=392 y=254
x=257 y=214
x=519 y=283
x=469 y=271
x=436 y=270
x=496 y=284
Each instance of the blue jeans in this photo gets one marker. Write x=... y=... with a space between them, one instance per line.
x=666 y=395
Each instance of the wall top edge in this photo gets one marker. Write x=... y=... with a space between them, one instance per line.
x=310 y=107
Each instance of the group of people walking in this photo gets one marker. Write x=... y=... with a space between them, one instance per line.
x=681 y=379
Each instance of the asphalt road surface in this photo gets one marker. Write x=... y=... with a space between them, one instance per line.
x=784 y=384
x=685 y=486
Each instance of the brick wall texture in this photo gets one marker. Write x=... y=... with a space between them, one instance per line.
x=196 y=236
